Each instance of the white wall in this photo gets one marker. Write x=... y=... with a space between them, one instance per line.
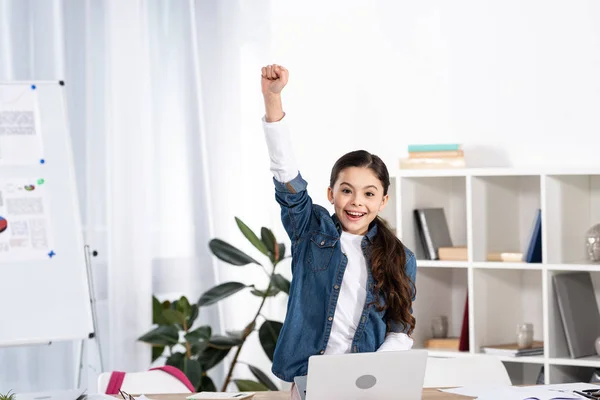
x=516 y=78
x=515 y=81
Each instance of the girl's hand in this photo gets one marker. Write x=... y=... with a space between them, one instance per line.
x=274 y=78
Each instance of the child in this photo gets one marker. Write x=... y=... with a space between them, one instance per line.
x=353 y=280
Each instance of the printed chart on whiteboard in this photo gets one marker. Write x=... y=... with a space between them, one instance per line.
x=20 y=136
x=25 y=230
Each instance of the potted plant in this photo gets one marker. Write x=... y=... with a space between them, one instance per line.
x=197 y=349
x=8 y=396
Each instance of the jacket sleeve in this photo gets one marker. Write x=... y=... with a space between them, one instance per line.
x=411 y=272
x=290 y=188
x=296 y=206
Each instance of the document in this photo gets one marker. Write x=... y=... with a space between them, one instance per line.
x=539 y=392
x=20 y=136
x=25 y=232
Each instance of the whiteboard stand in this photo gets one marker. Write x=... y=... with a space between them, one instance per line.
x=94 y=334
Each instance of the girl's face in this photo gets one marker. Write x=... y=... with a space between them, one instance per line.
x=357 y=197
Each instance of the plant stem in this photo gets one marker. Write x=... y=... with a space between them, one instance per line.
x=239 y=349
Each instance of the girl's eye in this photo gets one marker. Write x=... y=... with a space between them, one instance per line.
x=370 y=194
x=346 y=191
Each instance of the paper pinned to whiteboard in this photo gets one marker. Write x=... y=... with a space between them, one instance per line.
x=20 y=136
x=25 y=230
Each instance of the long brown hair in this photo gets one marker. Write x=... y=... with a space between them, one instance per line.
x=388 y=258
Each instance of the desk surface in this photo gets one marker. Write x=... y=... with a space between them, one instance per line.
x=428 y=394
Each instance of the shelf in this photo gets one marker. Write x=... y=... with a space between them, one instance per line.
x=504 y=209
x=522 y=360
x=591 y=361
x=448 y=353
x=494 y=210
x=502 y=299
x=417 y=173
x=581 y=266
x=448 y=193
x=572 y=207
x=440 y=291
x=507 y=265
x=441 y=264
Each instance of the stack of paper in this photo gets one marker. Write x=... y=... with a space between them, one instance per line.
x=539 y=392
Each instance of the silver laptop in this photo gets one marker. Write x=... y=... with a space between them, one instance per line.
x=383 y=375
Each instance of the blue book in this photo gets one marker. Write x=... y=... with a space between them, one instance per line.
x=534 y=251
x=416 y=148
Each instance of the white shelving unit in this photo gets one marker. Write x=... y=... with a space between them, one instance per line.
x=493 y=210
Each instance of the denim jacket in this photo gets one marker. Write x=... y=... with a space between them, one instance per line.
x=318 y=266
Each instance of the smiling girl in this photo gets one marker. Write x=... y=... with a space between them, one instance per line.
x=353 y=281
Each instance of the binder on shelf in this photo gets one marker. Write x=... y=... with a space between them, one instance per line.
x=534 y=251
x=578 y=311
x=433 y=230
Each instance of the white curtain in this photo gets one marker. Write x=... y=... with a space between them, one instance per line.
x=135 y=97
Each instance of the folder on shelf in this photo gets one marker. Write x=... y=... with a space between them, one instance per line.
x=432 y=230
x=578 y=311
x=534 y=251
x=463 y=344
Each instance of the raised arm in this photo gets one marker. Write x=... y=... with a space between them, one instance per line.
x=274 y=79
x=290 y=188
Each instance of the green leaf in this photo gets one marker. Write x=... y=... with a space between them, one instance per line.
x=206 y=384
x=174 y=316
x=251 y=236
x=268 y=335
x=157 y=311
x=273 y=291
x=193 y=370
x=269 y=241
x=157 y=352
x=281 y=251
x=162 y=335
x=201 y=333
x=183 y=306
x=246 y=385
x=225 y=341
x=176 y=360
x=226 y=252
x=263 y=378
x=280 y=283
x=220 y=292
x=211 y=357
x=193 y=315
x=199 y=347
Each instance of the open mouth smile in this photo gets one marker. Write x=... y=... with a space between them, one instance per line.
x=354 y=215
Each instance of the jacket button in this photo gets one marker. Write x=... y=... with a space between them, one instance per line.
x=364 y=319
x=322 y=243
x=330 y=318
x=322 y=351
x=336 y=287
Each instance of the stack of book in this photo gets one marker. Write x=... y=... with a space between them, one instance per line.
x=512 y=350
x=431 y=156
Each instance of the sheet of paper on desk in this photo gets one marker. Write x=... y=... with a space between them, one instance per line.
x=498 y=392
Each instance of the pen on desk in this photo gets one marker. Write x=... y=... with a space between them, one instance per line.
x=585 y=395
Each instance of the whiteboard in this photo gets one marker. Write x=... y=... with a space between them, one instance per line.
x=44 y=295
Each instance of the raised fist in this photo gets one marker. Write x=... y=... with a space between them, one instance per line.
x=274 y=78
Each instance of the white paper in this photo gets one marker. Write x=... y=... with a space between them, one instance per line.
x=540 y=392
x=20 y=136
x=25 y=233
